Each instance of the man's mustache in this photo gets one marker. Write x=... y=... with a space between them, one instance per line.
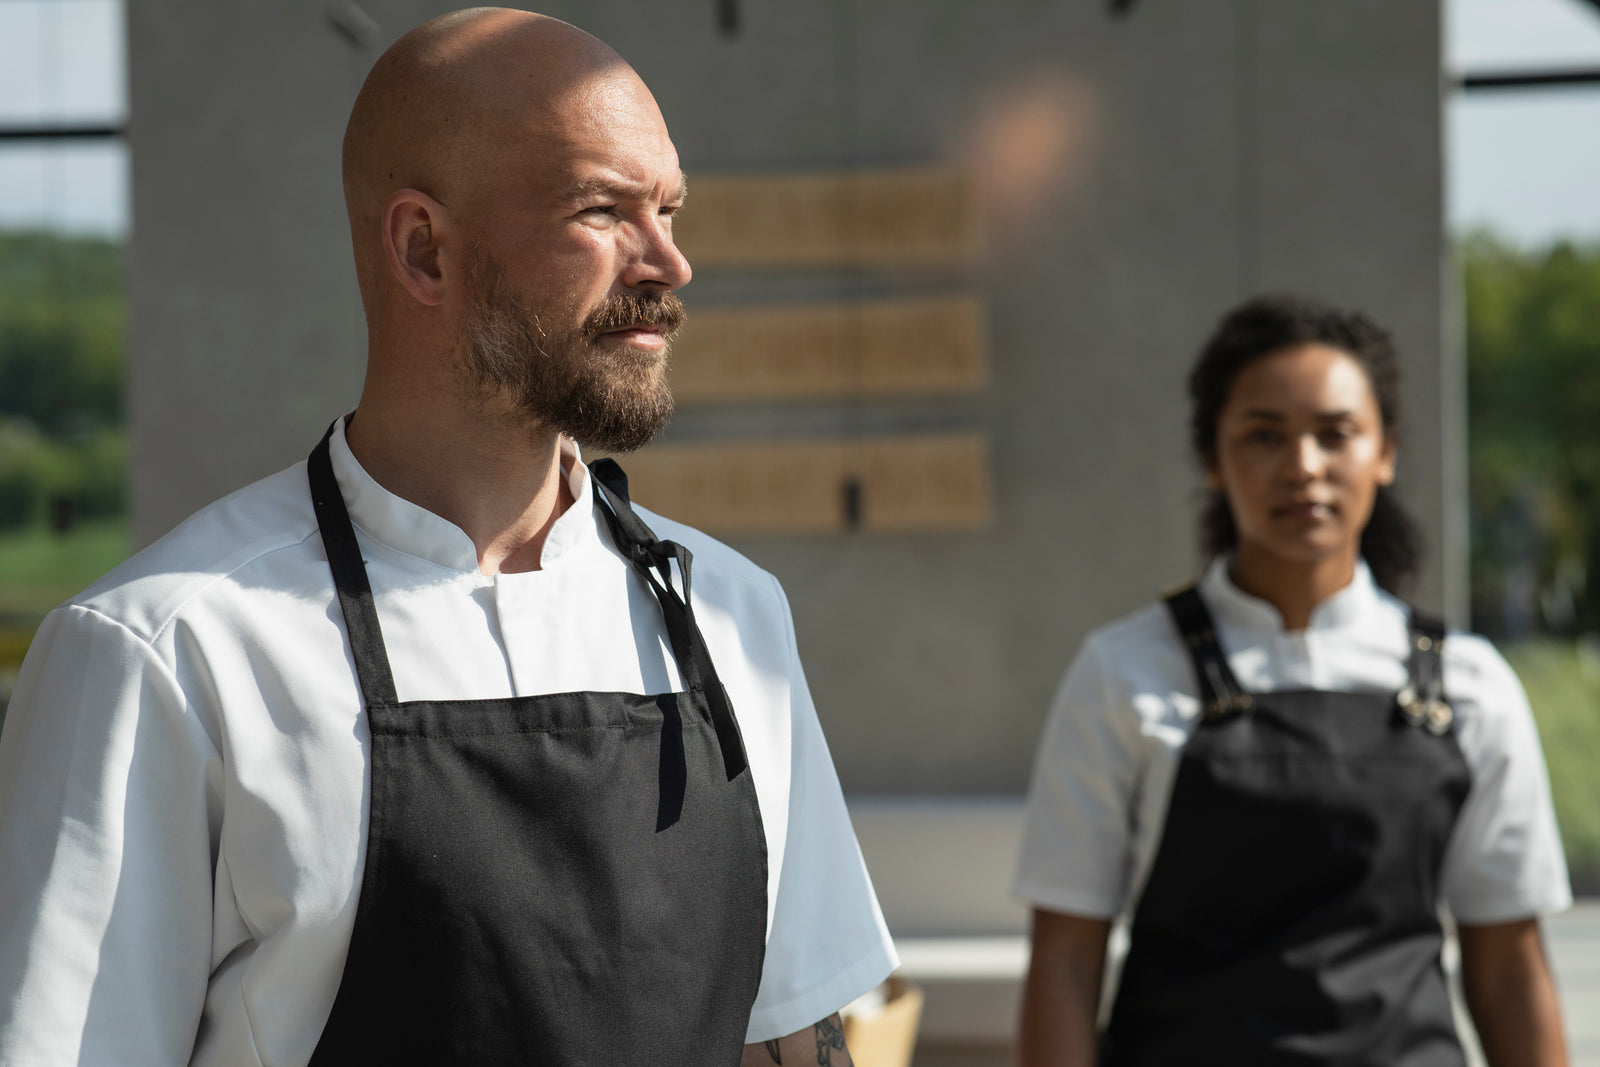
x=628 y=309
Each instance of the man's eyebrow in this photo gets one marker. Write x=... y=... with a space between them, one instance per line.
x=1264 y=413
x=619 y=189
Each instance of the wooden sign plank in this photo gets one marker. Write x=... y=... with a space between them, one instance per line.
x=900 y=484
x=869 y=349
x=885 y=218
x=743 y=487
x=913 y=484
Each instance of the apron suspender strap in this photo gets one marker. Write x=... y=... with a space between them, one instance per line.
x=1422 y=700
x=1221 y=694
x=651 y=557
x=350 y=579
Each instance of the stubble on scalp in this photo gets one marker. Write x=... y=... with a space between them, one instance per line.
x=604 y=396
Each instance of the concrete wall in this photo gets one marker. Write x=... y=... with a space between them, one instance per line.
x=1213 y=148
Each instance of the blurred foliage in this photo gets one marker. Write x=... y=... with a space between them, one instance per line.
x=40 y=569
x=63 y=451
x=63 y=456
x=1563 y=683
x=1533 y=416
x=51 y=482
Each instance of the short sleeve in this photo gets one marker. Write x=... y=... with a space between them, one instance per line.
x=105 y=854
x=1504 y=861
x=1077 y=837
x=828 y=943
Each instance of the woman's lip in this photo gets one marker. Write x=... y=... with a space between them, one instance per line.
x=1307 y=510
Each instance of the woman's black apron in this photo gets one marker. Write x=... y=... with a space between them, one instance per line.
x=551 y=881
x=1291 y=915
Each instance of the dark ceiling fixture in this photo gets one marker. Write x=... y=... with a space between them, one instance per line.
x=730 y=19
x=1120 y=8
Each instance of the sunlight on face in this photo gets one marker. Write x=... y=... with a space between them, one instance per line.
x=1301 y=452
x=571 y=268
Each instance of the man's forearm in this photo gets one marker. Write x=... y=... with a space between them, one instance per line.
x=819 y=1045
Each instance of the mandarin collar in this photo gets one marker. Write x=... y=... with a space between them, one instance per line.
x=1348 y=606
x=416 y=531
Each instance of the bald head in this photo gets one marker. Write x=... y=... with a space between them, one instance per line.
x=511 y=188
x=459 y=102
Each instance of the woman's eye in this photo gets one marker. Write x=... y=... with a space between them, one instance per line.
x=1334 y=438
x=1261 y=437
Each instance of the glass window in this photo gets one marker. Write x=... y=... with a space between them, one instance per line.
x=1524 y=164
x=63 y=223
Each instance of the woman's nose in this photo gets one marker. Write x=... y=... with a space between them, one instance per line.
x=1306 y=459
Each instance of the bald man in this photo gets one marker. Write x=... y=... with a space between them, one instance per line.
x=434 y=749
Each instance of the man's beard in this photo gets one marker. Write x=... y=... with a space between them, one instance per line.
x=604 y=395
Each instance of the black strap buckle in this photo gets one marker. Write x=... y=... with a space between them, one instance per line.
x=1221 y=695
x=1421 y=702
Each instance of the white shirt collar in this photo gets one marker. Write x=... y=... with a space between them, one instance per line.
x=416 y=531
x=1348 y=606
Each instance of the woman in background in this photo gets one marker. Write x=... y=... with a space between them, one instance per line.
x=1280 y=774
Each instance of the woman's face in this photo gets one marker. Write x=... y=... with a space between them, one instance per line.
x=1301 y=452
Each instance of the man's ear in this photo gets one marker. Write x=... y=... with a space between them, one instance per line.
x=415 y=225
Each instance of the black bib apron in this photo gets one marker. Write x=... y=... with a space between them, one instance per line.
x=1291 y=915
x=551 y=881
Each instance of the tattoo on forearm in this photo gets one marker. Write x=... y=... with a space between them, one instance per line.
x=772 y=1050
x=830 y=1039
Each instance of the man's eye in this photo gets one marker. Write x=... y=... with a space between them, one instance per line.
x=1261 y=437
x=600 y=209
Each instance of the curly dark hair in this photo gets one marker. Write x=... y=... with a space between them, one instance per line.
x=1390 y=543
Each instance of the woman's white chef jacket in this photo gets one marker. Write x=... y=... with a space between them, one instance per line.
x=1116 y=731
x=183 y=801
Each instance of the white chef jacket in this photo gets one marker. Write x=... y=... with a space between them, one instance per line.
x=1105 y=768
x=184 y=770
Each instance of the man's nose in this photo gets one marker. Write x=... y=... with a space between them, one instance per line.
x=658 y=263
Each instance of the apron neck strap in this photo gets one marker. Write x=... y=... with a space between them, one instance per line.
x=1426 y=664
x=652 y=560
x=1221 y=694
x=1422 y=700
x=350 y=579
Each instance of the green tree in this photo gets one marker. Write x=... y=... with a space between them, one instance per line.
x=62 y=319
x=61 y=331
x=1533 y=396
